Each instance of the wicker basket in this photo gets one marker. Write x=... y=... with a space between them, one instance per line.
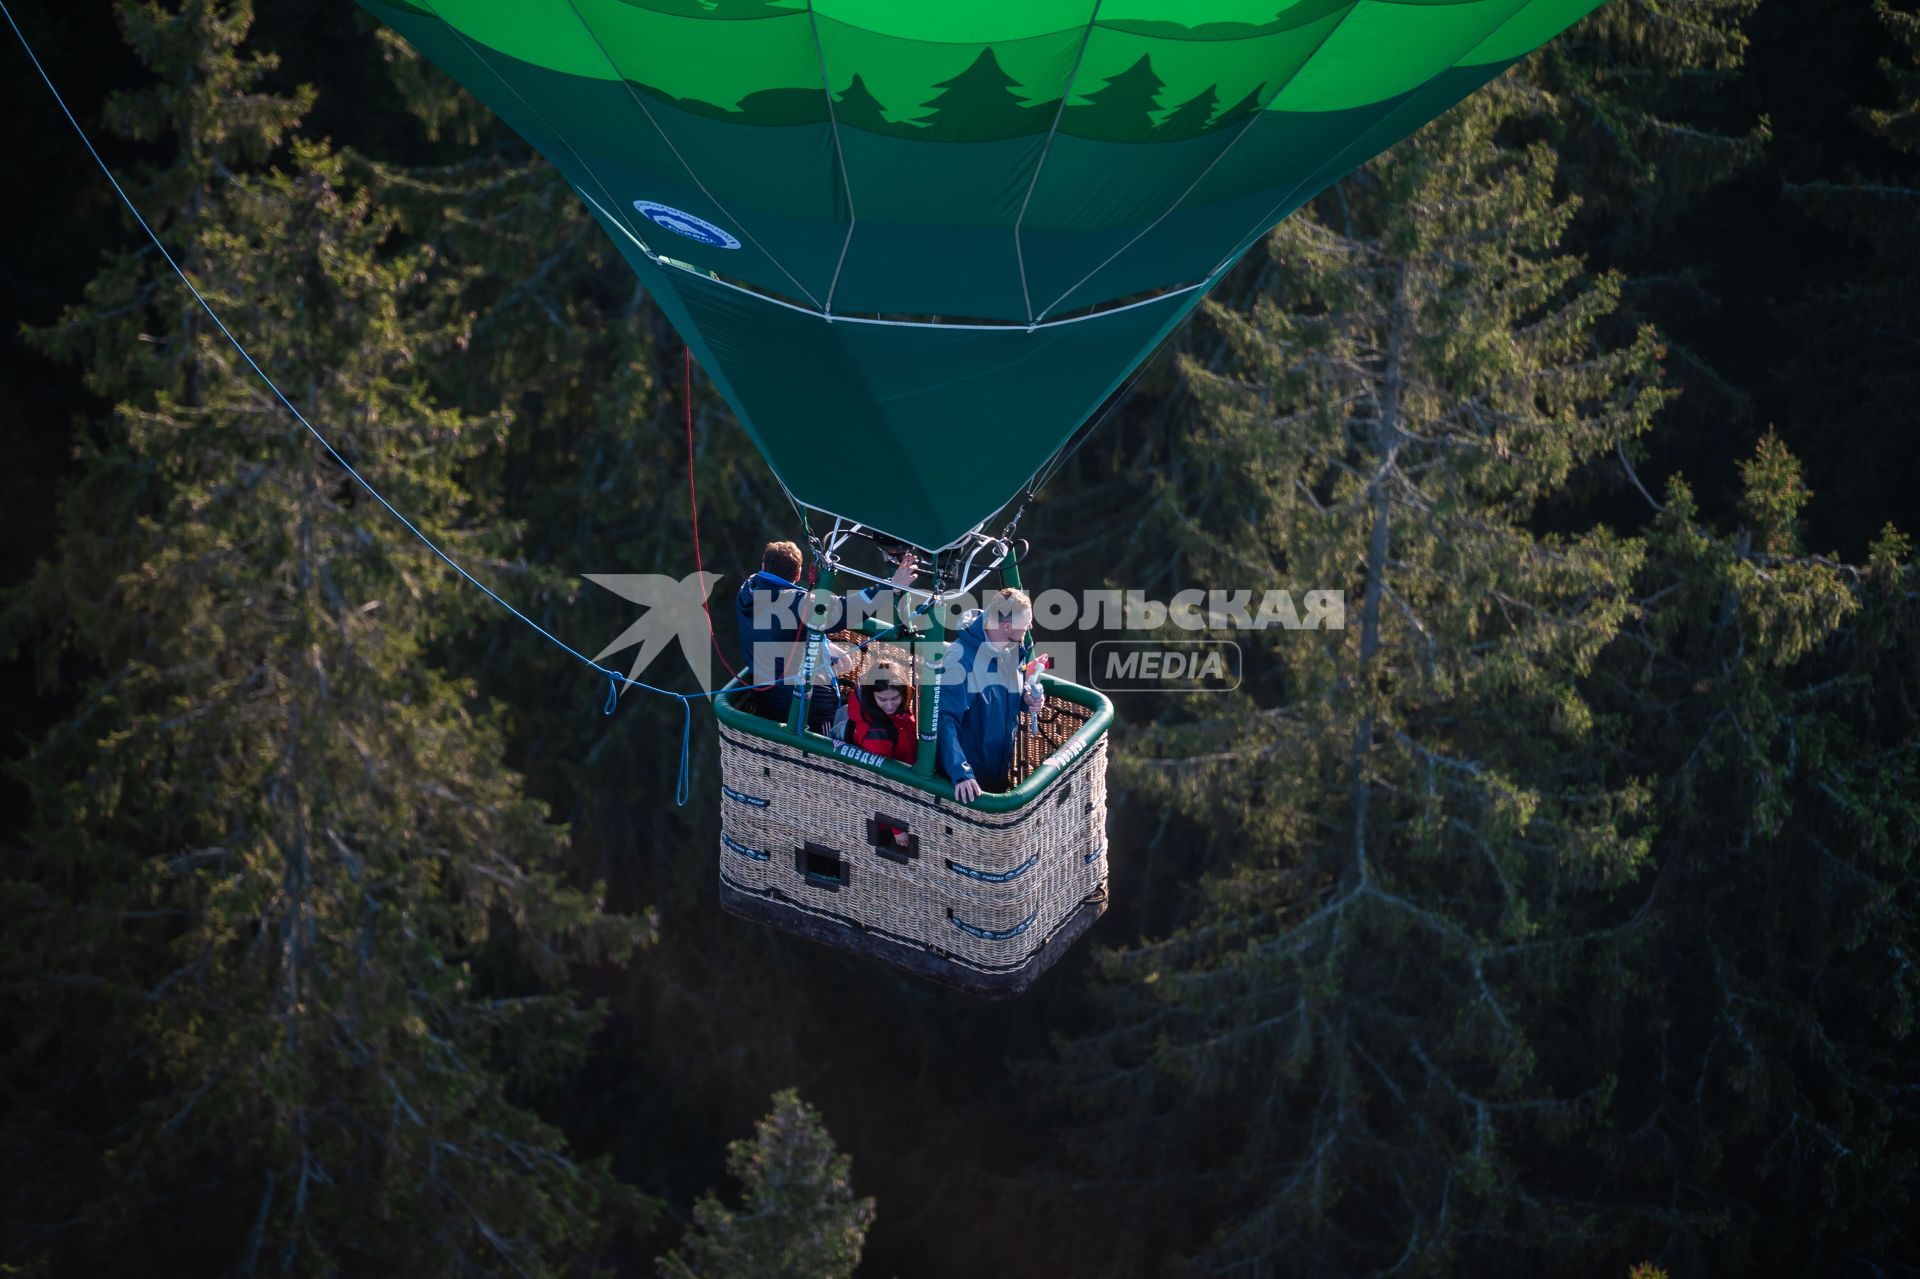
x=876 y=860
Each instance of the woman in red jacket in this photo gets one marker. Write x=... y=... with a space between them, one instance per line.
x=880 y=716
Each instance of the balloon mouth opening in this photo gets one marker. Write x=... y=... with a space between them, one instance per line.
x=925 y=320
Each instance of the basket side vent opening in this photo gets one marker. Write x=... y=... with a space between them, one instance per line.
x=892 y=838
x=821 y=866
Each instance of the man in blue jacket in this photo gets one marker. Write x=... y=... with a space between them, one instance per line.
x=772 y=649
x=981 y=695
x=769 y=609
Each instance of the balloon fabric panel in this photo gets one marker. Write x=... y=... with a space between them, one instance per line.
x=917 y=245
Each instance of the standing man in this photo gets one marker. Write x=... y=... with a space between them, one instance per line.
x=981 y=695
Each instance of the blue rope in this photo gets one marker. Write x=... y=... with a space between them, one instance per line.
x=615 y=679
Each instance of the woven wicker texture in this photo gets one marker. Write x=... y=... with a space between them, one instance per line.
x=982 y=890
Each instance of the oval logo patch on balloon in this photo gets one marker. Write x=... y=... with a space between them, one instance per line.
x=682 y=223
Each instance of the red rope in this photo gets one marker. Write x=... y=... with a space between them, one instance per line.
x=693 y=504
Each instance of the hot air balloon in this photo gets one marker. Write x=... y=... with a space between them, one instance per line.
x=947 y=231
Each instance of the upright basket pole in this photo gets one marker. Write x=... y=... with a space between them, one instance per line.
x=1010 y=574
x=929 y=686
x=816 y=643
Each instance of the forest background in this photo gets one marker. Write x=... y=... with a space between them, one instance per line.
x=1556 y=917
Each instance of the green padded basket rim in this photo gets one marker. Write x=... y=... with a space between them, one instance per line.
x=1025 y=793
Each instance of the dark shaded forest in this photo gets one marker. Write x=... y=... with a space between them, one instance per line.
x=1558 y=916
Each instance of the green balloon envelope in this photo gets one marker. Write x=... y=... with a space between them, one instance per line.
x=916 y=245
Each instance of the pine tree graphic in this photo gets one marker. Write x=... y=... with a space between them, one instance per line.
x=1123 y=110
x=980 y=105
x=1190 y=118
x=1242 y=109
x=857 y=108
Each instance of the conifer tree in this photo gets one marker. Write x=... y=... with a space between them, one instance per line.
x=1634 y=99
x=1631 y=91
x=289 y=911
x=211 y=99
x=443 y=108
x=1899 y=123
x=1855 y=372
x=1760 y=1118
x=797 y=1218
x=590 y=377
x=1342 y=1061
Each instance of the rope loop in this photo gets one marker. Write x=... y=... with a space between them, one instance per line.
x=680 y=786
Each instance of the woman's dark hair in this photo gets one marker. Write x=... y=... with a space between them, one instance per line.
x=884 y=674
